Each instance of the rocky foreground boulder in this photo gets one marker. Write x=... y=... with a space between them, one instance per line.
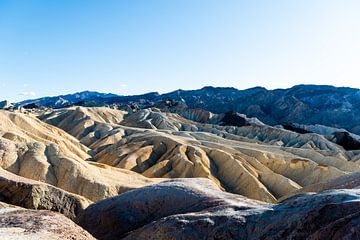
x=32 y=194
x=197 y=209
x=17 y=223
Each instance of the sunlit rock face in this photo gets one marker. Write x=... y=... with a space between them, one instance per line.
x=159 y=144
x=31 y=194
x=38 y=151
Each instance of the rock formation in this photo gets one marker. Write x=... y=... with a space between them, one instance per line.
x=346 y=140
x=38 y=151
x=160 y=144
x=196 y=209
x=348 y=181
x=304 y=104
x=31 y=194
x=5 y=104
x=26 y=224
x=170 y=172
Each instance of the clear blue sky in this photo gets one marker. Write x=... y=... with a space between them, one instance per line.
x=135 y=46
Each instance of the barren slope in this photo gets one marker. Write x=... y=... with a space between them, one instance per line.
x=257 y=161
x=35 y=150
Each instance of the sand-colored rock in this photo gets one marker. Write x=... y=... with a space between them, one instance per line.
x=99 y=153
x=160 y=144
x=87 y=124
x=238 y=167
x=31 y=194
x=6 y=205
x=349 y=181
x=38 y=151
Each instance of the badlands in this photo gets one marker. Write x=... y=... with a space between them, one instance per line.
x=171 y=173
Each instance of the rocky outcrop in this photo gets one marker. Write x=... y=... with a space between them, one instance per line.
x=197 y=115
x=346 y=140
x=295 y=128
x=6 y=104
x=253 y=131
x=196 y=209
x=234 y=119
x=114 y=217
x=31 y=194
x=30 y=106
x=25 y=128
x=30 y=225
x=89 y=125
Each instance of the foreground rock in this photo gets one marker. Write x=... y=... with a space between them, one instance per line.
x=16 y=224
x=196 y=209
x=31 y=194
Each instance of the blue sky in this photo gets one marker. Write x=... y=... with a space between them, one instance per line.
x=136 y=46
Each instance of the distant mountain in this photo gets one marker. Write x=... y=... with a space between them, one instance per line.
x=79 y=98
x=337 y=107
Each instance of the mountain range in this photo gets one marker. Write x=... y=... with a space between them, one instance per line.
x=337 y=107
x=182 y=165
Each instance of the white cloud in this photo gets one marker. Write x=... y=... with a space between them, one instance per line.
x=25 y=85
x=123 y=85
x=28 y=94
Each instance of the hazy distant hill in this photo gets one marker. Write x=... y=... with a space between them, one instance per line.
x=305 y=104
x=69 y=99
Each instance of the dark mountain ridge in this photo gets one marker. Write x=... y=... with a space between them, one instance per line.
x=305 y=104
